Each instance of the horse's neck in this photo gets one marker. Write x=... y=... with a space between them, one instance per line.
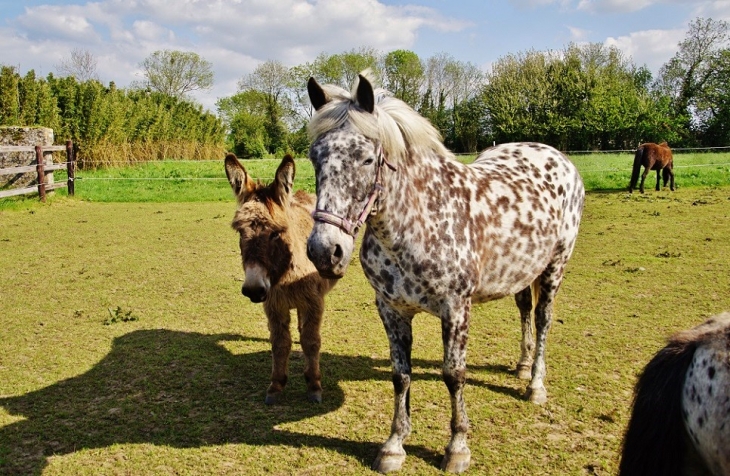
x=408 y=192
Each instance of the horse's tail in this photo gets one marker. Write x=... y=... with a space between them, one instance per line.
x=655 y=438
x=638 y=157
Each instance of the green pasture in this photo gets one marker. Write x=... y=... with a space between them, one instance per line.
x=196 y=181
x=127 y=348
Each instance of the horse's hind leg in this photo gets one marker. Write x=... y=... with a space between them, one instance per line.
x=527 y=346
x=669 y=176
x=400 y=337
x=658 y=179
x=643 y=178
x=280 y=338
x=310 y=320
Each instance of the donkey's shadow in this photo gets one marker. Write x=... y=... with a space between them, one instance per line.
x=179 y=389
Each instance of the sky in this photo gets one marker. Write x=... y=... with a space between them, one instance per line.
x=238 y=35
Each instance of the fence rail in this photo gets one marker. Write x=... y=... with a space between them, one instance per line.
x=41 y=168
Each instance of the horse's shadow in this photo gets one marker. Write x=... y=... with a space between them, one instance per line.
x=181 y=389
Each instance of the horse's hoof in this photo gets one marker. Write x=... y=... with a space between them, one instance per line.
x=387 y=462
x=524 y=372
x=272 y=398
x=315 y=397
x=536 y=395
x=456 y=462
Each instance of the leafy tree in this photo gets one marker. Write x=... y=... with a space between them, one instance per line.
x=684 y=78
x=176 y=73
x=404 y=75
x=9 y=96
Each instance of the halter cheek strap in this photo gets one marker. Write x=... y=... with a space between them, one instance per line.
x=349 y=227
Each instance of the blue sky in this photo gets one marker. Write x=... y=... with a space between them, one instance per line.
x=237 y=35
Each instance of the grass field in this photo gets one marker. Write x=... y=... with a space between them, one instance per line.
x=196 y=181
x=126 y=347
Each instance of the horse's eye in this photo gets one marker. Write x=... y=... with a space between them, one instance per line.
x=368 y=162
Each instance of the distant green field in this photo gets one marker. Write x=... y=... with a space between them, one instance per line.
x=204 y=181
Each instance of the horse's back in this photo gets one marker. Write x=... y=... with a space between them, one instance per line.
x=534 y=196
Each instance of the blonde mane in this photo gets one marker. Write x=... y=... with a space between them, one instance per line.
x=393 y=122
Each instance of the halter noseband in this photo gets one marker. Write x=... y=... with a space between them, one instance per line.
x=343 y=223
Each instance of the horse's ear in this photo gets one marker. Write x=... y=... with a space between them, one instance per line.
x=317 y=96
x=365 y=94
x=241 y=183
x=284 y=179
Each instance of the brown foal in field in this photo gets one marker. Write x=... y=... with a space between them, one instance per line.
x=273 y=224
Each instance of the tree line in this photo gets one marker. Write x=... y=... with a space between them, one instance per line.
x=110 y=125
x=582 y=97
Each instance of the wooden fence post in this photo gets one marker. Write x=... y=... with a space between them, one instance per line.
x=41 y=173
x=70 y=167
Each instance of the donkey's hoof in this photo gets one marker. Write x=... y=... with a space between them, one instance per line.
x=524 y=372
x=456 y=462
x=387 y=462
x=536 y=395
x=272 y=398
x=315 y=397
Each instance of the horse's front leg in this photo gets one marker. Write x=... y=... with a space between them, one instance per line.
x=658 y=179
x=455 y=333
x=280 y=337
x=400 y=337
x=310 y=321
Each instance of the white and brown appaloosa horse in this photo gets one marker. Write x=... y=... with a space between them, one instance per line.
x=273 y=223
x=440 y=235
x=680 y=422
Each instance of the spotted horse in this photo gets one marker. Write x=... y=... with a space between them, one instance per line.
x=440 y=235
x=680 y=420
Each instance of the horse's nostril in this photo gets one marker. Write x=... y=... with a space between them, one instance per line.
x=337 y=253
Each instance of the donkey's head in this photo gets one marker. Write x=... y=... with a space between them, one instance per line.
x=262 y=224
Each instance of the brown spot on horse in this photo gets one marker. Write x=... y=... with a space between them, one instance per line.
x=273 y=224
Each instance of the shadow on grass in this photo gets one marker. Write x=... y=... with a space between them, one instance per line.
x=183 y=390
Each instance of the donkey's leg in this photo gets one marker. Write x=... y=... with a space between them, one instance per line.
x=280 y=338
x=527 y=346
x=310 y=320
x=400 y=337
x=455 y=332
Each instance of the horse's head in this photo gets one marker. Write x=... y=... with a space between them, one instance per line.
x=262 y=224
x=348 y=158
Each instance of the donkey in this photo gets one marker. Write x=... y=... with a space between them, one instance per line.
x=680 y=422
x=273 y=224
x=653 y=157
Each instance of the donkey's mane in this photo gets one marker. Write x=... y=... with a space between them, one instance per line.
x=393 y=122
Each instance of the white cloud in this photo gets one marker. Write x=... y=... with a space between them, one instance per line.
x=652 y=48
x=578 y=34
x=234 y=35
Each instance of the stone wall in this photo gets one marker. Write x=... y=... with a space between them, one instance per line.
x=24 y=136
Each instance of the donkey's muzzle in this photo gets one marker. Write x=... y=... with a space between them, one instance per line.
x=255 y=294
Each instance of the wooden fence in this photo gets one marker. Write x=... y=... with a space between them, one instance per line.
x=41 y=168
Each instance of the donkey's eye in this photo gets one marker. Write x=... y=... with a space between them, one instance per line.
x=275 y=235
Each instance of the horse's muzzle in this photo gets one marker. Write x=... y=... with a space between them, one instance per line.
x=328 y=255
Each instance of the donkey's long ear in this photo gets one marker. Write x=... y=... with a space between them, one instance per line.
x=317 y=95
x=365 y=95
x=241 y=183
x=284 y=180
